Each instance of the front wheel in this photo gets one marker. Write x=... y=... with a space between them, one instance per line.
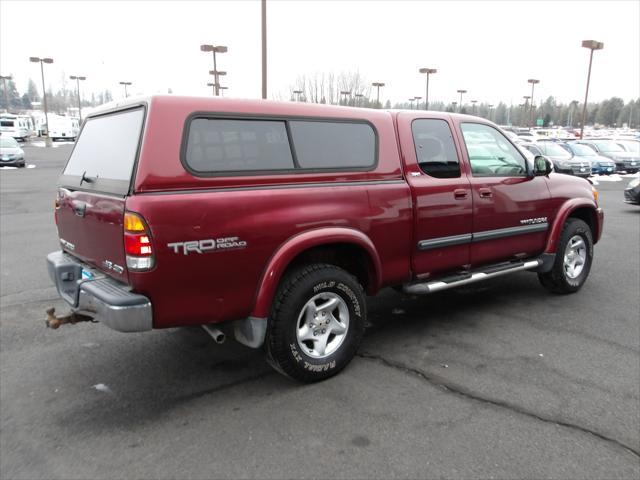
x=317 y=323
x=574 y=256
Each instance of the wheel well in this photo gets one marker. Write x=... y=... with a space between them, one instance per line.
x=347 y=256
x=588 y=216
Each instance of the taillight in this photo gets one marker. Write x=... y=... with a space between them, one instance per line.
x=137 y=243
x=56 y=206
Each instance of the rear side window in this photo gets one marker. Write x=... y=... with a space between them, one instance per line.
x=322 y=144
x=6 y=123
x=219 y=145
x=106 y=152
x=435 y=150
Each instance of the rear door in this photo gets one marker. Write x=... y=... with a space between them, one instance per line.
x=441 y=195
x=510 y=208
x=93 y=187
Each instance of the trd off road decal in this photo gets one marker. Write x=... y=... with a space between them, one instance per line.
x=207 y=245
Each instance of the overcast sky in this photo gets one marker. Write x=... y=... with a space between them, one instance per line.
x=487 y=48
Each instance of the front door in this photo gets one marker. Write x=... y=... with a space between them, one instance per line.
x=441 y=195
x=511 y=208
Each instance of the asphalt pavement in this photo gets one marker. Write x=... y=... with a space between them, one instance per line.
x=498 y=380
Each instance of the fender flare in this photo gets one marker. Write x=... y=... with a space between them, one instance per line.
x=563 y=213
x=299 y=243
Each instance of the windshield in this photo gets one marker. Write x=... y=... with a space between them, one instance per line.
x=608 y=147
x=582 y=150
x=554 y=150
x=8 y=142
x=630 y=146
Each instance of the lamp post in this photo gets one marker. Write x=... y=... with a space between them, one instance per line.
x=591 y=45
x=42 y=61
x=345 y=93
x=298 y=93
x=213 y=88
x=533 y=82
x=359 y=97
x=378 y=85
x=411 y=103
x=417 y=99
x=125 y=84
x=77 y=79
x=214 y=49
x=222 y=89
x=490 y=107
x=216 y=79
x=473 y=106
x=428 y=71
x=460 y=107
x=4 y=87
x=526 y=107
x=454 y=105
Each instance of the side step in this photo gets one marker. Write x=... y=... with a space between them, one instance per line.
x=485 y=273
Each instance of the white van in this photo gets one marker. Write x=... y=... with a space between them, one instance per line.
x=19 y=127
x=63 y=128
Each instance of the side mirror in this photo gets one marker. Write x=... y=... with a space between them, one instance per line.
x=541 y=166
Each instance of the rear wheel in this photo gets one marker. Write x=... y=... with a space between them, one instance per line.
x=317 y=323
x=574 y=256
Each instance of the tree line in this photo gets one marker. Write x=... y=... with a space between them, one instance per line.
x=327 y=87
x=57 y=102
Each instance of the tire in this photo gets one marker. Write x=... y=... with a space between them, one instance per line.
x=317 y=353
x=567 y=274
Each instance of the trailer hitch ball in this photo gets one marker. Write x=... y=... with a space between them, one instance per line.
x=54 y=322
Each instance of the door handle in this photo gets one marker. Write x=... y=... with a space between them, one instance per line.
x=460 y=193
x=485 y=192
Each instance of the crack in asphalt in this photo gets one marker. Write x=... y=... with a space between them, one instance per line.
x=442 y=383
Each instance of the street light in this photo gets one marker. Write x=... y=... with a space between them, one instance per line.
x=411 y=103
x=213 y=88
x=42 y=61
x=533 y=82
x=77 y=79
x=214 y=49
x=428 y=71
x=359 y=97
x=345 y=93
x=4 y=86
x=461 y=92
x=378 y=85
x=126 y=94
x=473 y=106
x=222 y=89
x=591 y=45
x=490 y=107
x=298 y=93
x=417 y=99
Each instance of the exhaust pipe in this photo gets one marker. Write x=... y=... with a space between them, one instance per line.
x=54 y=322
x=215 y=333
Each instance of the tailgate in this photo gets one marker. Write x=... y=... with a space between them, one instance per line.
x=93 y=189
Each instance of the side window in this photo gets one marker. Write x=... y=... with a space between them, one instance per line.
x=435 y=150
x=321 y=144
x=490 y=153
x=218 y=145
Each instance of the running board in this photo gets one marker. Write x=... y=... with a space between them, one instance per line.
x=470 y=277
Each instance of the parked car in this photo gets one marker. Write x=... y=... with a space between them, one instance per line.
x=19 y=127
x=625 y=161
x=629 y=145
x=271 y=220
x=10 y=152
x=632 y=192
x=599 y=165
x=564 y=161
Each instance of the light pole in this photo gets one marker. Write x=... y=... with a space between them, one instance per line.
x=213 y=88
x=417 y=99
x=298 y=93
x=42 y=61
x=454 y=105
x=345 y=93
x=473 y=106
x=411 y=103
x=461 y=92
x=125 y=84
x=525 y=122
x=533 y=82
x=428 y=71
x=359 y=97
x=4 y=86
x=214 y=49
x=378 y=85
x=490 y=107
x=222 y=89
x=591 y=45
x=77 y=79
x=216 y=79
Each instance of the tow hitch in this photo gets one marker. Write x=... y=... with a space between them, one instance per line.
x=54 y=322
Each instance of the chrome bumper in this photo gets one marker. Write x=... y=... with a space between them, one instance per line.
x=105 y=299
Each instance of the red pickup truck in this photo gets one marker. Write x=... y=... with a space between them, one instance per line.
x=274 y=220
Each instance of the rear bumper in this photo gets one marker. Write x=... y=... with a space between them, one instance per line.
x=105 y=299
